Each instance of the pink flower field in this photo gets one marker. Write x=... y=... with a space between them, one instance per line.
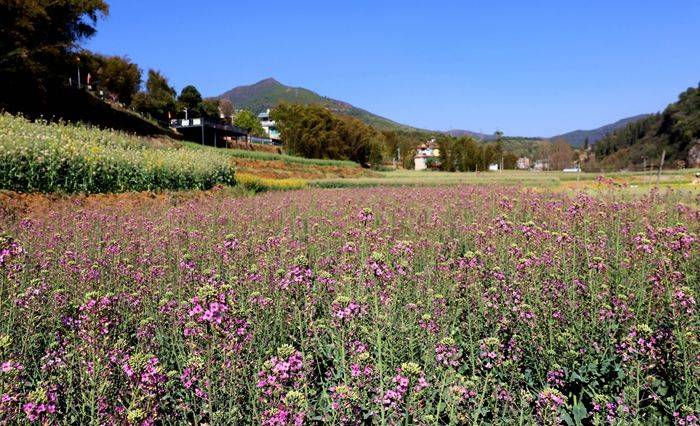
x=430 y=306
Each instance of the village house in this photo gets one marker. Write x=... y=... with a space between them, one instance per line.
x=427 y=155
x=268 y=125
x=523 y=163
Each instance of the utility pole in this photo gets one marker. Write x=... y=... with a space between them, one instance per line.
x=661 y=166
x=78 y=72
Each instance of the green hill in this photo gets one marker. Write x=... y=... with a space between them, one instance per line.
x=676 y=130
x=269 y=93
x=577 y=138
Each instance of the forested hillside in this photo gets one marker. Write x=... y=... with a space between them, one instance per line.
x=676 y=130
x=269 y=93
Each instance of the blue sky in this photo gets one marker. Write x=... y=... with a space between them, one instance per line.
x=531 y=68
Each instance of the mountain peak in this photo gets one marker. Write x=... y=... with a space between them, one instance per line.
x=270 y=81
x=269 y=93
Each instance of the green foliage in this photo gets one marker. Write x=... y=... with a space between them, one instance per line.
x=56 y=157
x=674 y=130
x=36 y=43
x=120 y=77
x=314 y=132
x=270 y=93
x=159 y=98
x=189 y=99
x=577 y=138
x=209 y=108
x=465 y=154
x=268 y=156
x=249 y=122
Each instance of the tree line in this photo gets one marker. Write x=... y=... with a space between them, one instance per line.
x=312 y=131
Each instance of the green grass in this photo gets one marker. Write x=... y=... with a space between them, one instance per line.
x=670 y=178
x=268 y=156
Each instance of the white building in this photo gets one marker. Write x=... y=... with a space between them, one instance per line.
x=493 y=167
x=269 y=126
x=425 y=154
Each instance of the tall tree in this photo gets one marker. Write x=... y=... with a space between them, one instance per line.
x=247 y=121
x=560 y=155
x=226 y=107
x=159 y=98
x=209 y=109
x=120 y=77
x=190 y=99
x=38 y=40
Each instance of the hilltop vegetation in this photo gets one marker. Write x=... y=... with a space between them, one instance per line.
x=270 y=93
x=676 y=130
x=578 y=138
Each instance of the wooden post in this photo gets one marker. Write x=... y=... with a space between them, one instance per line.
x=661 y=166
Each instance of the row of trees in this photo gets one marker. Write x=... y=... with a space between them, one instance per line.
x=314 y=132
x=120 y=79
x=464 y=154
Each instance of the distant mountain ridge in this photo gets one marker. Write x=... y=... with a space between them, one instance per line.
x=675 y=131
x=577 y=138
x=476 y=135
x=269 y=93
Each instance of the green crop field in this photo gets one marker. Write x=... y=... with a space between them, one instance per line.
x=36 y=157
x=677 y=179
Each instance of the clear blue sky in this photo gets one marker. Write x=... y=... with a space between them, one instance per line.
x=532 y=68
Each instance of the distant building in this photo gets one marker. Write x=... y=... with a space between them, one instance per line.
x=541 y=165
x=493 y=167
x=269 y=126
x=572 y=170
x=427 y=155
x=523 y=163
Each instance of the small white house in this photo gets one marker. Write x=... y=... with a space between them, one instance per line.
x=426 y=153
x=269 y=126
x=493 y=167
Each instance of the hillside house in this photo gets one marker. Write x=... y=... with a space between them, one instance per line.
x=427 y=155
x=268 y=125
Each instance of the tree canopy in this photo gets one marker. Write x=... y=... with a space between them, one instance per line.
x=312 y=131
x=159 y=98
x=37 y=40
x=120 y=77
x=190 y=99
x=249 y=122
